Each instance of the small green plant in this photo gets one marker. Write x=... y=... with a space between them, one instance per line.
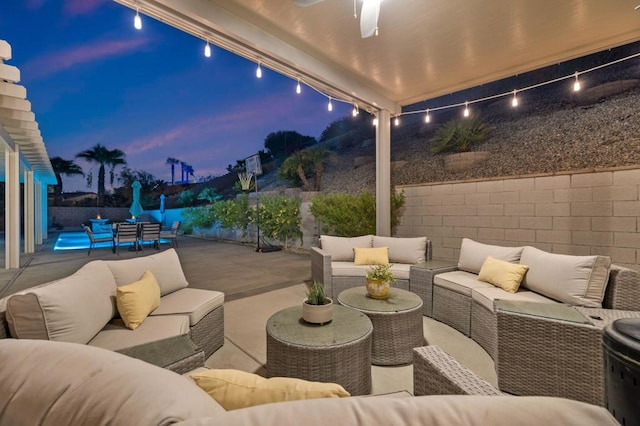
x=381 y=273
x=459 y=134
x=316 y=294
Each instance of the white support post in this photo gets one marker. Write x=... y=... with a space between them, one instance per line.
x=383 y=174
x=29 y=213
x=12 y=209
x=38 y=214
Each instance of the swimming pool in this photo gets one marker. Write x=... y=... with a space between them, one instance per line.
x=80 y=240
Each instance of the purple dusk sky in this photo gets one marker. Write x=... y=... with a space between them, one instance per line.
x=92 y=78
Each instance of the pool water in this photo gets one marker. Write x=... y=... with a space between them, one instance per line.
x=80 y=241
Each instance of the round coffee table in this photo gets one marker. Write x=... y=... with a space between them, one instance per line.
x=337 y=352
x=397 y=323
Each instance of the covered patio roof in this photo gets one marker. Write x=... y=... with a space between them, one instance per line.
x=425 y=48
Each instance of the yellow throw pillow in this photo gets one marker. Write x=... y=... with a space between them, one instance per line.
x=371 y=256
x=137 y=300
x=503 y=274
x=234 y=389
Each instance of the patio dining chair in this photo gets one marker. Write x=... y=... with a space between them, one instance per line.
x=172 y=234
x=126 y=233
x=150 y=232
x=98 y=238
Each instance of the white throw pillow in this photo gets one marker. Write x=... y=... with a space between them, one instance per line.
x=576 y=280
x=403 y=250
x=341 y=248
x=473 y=254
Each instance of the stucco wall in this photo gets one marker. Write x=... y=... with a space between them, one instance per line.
x=573 y=213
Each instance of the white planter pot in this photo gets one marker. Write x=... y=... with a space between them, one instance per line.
x=317 y=314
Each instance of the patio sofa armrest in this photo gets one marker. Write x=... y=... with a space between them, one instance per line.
x=321 y=268
x=435 y=372
x=623 y=289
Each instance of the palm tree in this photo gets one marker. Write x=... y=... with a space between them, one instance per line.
x=318 y=158
x=105 y=157
x=173 y=161
x=63 y=167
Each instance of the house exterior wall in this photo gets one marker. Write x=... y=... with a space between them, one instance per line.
x=578 y=213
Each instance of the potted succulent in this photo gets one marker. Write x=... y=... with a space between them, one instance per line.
x=379 y=278
x=317 y=308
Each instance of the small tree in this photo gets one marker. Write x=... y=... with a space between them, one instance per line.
x=284 y=143
x=459 y=134
x=304 y=164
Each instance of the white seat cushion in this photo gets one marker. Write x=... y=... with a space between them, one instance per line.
x=459 y=281
x=349 y=269
x=115 y=336
x=486 y=296
x=193 y=302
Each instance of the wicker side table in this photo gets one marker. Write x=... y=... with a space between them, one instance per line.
x=397 y=323
x=338 y=352
x=553 y=349
x=421 y=280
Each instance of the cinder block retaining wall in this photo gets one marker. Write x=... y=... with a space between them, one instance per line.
x=573 y=213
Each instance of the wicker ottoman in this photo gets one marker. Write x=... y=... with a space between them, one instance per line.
x=338 y=352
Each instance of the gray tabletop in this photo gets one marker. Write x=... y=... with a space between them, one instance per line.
x=348 y=325
x=399 y=300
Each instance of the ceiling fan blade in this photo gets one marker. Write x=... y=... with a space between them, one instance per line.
x=305 y=3
x=369 y=17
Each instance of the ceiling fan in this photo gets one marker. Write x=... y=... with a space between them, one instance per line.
x=368 y=14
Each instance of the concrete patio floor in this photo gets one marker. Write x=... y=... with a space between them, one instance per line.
x=233 y=268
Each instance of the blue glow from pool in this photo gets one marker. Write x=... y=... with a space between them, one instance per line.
x=80 y=240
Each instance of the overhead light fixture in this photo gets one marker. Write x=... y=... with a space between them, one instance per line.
x=514 y=101
x=207 y=50
x=298 y=88
x=259 y=71
x=466 y=109
x=375 y=121
x=137 y=22
x=329 y=105
x=427 y=117
x=576 y=84
x=355 y=111
x=396 y=122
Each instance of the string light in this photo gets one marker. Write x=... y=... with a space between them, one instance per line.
x=259 y=71
x=298 y=88
x=514 y=101
x=396 y=121
x=137 y=21
x=427 y=117
x=466 y=109
x=207 y=50
x=375 y=120
x=355 y=111
x=576 y=84
x=330 y=105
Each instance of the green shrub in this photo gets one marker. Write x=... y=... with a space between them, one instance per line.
x=349 y=215
x=459 y=134
x=280 y=218
x=233 y=214
x=187 y=198
x=199 y=217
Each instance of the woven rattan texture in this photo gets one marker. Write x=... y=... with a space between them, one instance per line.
x=623 y=290
x=483 y=328
x=168 y=353
x=452 y=308
x=187 y=364
x=421 y=281
x=208 y=333
x=437 y=373
x=345 y=363
x=543 y=356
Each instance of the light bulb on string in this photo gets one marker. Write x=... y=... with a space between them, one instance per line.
x=396 y=122
x=298 y=88
x=375 y=120
x=137 y=21
x=207 y=50
x=466 y=109
x=329 y=105
x=355 y=111
x=514 y=101
x=576 y=84
x=259 y=71
x=427 y=117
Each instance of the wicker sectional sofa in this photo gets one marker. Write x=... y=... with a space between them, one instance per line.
x=539 y=348
x=333 y=262
x=180 y=334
